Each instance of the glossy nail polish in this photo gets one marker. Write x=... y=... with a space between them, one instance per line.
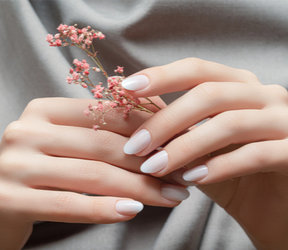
x=138 y=142
x=135 y=83
x=177 y=176
x=155 y=163
x=196 y=174
x=128 y=207
x=174 y=193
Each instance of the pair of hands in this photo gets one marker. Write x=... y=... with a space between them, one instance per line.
x=51 y=156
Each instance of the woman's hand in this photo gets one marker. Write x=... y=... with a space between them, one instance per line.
x=51 y=156
x=240 y=151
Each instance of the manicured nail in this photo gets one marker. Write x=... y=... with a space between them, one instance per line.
x=177 y=176
x=135 y=82
x=138 y=142
x=128 y=207
x=155 y=163
x=174 y=193
x=196 y=174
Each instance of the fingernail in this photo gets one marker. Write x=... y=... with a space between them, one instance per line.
x=128 y=207
x=135 y=82
x=174 y=193
x=177 y=176
x=155 y=163
x=138 y=142
x=196 y=174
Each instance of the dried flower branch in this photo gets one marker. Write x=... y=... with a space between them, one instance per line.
x=112 y=97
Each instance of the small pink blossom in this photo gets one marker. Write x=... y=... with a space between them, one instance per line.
x=96 y=69
x=69 y=79
x=96 y=127
x=87 y=112
x=119 y=69
x=100 y=106
x=85 y=66
x=62 y=27
x=49 y=38
x=58 y=42
x=113 y=105
x=97 y=95
x=75 y=76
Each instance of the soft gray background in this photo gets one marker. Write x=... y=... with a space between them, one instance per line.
x=140 y=33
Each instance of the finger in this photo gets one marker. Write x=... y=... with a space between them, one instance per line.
x=70 y=112
x=63 y=206
x=231 y=127
x=99 y=178
x=82 y=143
x=257 y=157
x=183 y=75
x=206 y=100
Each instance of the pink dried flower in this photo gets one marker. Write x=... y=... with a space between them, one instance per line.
x=87 y=112
x=84 y=85
x=113 y=104
x=49 y=38
x=96 y=127
x=69 y=79
x=58 y=42
x=114 y=93
x=119 y=69
x=75 y=76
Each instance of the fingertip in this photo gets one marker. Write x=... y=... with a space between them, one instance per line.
x=128 y=207
x=135 y=82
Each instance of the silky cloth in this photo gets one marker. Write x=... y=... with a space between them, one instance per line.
x=252 y=35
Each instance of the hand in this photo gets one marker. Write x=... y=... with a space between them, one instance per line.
x=240 y=151
x=51 y=156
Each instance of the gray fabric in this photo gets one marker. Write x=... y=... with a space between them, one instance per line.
x=245 y=34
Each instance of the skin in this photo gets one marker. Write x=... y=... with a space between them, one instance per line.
x=50 y=156
x=245 y=139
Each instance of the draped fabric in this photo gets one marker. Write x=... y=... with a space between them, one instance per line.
x=252 y=35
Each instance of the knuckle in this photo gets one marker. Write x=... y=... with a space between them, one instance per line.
x=99 y=206
x=62 y=203
x=223 y=165
x=211 y=91
x=198 y=65
x=140 y=189
x=185 y=144
x=166 y=119
x=249 y=76
x=103 y=141
x=160 y=72
x=233 y=121
x=14 y=132
x=92 y=173
x=35 y=106
x=278 y=91
x=260 y=154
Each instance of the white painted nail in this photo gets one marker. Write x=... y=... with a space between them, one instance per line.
x=174 y=193
x=138 y=142
x=177 y=176
x=128 y=207
x=135 y=82
x=196 y=174
x=155 y=163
